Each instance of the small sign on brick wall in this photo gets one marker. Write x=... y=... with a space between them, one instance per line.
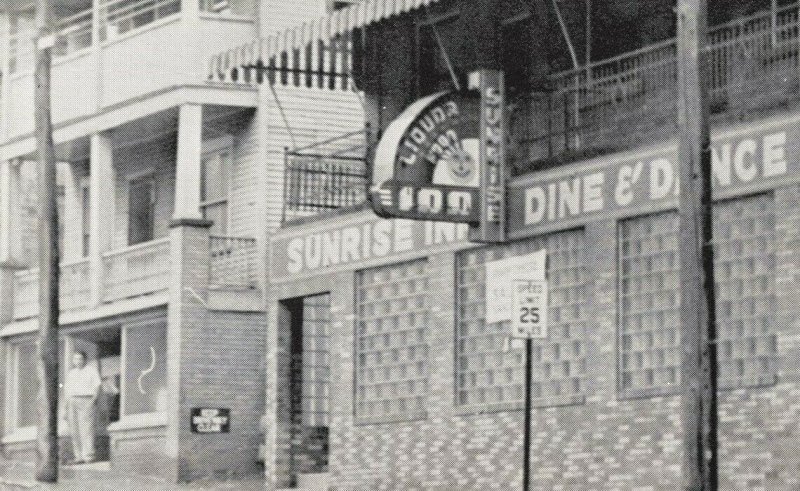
x=211 y=420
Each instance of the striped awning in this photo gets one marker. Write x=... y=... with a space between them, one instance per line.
x=315 y=53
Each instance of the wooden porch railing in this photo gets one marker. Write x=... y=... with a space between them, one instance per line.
x=137 y=270
x=232 y=262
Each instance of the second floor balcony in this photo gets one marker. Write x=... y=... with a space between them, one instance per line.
x=108 y=52
x=122 y=196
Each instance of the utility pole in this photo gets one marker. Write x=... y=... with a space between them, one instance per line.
x=47 y=366
x=698 y=331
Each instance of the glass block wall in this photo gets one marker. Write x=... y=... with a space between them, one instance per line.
x=391 y=342
x=744 y=258
x=489 y=375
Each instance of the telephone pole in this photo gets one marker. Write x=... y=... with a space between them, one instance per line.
x=47 y=366
x=698 y=331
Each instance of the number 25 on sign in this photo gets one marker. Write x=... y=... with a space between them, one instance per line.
x=529 y=309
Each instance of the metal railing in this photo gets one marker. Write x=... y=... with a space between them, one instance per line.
x=753 y=67
x=326 y=176
x=137 y=270
x=232 y=262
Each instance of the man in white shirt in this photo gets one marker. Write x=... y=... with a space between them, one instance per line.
x=81 y=389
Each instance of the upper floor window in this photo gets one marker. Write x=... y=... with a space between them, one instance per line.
x=141 y=209
x=215 y=169
x=334 y=5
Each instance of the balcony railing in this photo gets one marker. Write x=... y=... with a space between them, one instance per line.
x=74 y=33
x=74 y=284
x=26 y=293
x=120 y=16
x=326 y=176
x=233 y=262
x=753 y=68
x=137 y=270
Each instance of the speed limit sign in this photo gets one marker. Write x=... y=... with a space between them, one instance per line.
x=529 y=309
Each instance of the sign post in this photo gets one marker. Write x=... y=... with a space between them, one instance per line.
x=528 y=321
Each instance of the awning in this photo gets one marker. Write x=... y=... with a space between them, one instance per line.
x=316 y=53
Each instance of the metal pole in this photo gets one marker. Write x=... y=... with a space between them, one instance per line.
x=699 y=355
x=47 y=366
x=526 y=435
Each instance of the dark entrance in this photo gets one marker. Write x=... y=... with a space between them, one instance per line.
x=303 y=390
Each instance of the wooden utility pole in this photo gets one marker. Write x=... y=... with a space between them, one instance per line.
x=698 y=331
x=47 y=367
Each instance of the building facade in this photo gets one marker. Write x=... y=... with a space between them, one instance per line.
x=168 y=187
x=381 y=368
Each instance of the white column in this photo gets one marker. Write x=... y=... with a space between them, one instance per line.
x=97 y=54
x=102 y=183
x=187 y=178
x=5 y=93
x=10 y=232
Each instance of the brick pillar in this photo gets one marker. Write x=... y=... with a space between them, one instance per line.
x=186 y=316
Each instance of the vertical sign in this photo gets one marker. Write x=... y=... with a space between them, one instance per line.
x=529 y=309
x=492 y=212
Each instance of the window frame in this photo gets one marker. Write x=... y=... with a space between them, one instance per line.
x=217 y=147
x=148 y=173
x=13 y=383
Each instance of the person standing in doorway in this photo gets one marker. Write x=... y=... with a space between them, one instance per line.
x=81 y=389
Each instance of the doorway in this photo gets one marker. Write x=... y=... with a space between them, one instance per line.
x=304 y=391
x=103 y=348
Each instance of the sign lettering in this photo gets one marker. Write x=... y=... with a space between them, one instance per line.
x=737 y=162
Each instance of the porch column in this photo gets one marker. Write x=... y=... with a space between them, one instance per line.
x=102 y=183
x=10 y=236
x=187 y=178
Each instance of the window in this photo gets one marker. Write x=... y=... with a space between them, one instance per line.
x=744 y=259
x=391 y=342
x=341 y=4
x=486 y=375
x=25 y=384
x=433 y=73
x=145 y=369
x=215 y=188
x=649 y=301
x=141 y=209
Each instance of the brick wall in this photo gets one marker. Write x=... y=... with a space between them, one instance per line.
x=606 y=442
x=216 y=362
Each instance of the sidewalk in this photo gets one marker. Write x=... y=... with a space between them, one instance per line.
x=98 y=477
